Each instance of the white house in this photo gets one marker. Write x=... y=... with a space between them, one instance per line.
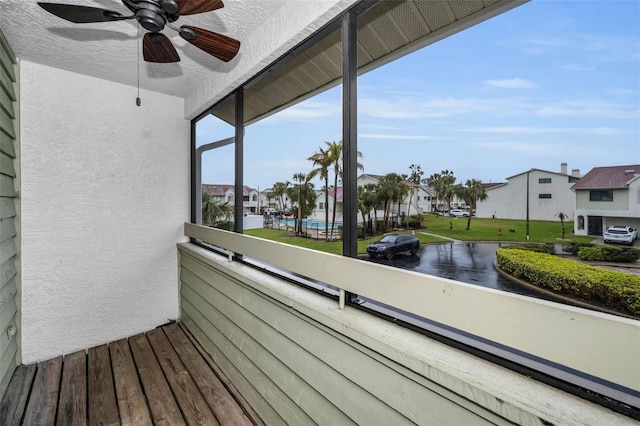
x=224 y=193
x=421 y=201
x=540 y=193
x=607 y=196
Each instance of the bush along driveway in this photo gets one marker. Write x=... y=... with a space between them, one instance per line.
x=601 y=287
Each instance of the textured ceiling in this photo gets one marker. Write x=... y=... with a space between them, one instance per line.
x=110 y=50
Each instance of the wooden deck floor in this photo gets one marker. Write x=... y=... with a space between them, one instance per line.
x=156 y=378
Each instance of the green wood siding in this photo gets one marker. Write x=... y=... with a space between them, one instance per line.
x=8 y=232
x=293 y=369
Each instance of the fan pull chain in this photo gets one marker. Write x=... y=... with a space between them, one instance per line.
x=138 y=101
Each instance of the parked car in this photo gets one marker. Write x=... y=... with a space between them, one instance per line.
x=620 y=234
x=458 y=213
x=392 y=244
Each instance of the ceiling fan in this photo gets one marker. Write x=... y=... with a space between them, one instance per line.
x=154 y=16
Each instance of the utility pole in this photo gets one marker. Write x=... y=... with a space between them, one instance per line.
x=527 y=231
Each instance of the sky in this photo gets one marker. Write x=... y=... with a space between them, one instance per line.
x=545 y=83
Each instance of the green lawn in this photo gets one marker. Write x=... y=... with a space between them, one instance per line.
x=488 y=230
x=334 y=247
x=481 y=230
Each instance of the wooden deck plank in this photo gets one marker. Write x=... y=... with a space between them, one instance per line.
x=41 y=409
x=164 y=409
x=194 y=407
x=72 y=406
x=222 y=403
x=132 y=403
x=16 y=396
x=162 y=377
x=101 y=395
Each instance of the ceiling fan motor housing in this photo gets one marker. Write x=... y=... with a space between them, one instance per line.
x=150 y=15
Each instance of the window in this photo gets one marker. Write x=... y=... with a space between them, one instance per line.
x=580 y=222
x=601 y=195
x=544 y=196
x=321 y=205
x=544 y=180
x=229 y=198
x=254 y=197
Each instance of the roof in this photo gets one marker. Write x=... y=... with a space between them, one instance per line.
x=543 y=171
x=608 y=177
x=217 y=189
x=492 y=184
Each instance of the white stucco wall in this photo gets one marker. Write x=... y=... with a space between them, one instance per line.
x=105 y=191
x=510 y=201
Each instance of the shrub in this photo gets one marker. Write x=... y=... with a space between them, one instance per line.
x=591 y=253
x=540 y=248
x=598 y=286
x=608 y=253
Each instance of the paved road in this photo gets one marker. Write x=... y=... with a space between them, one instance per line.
x=470 y=263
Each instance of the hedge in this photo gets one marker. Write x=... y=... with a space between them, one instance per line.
x=597 y=286
x=608 y=253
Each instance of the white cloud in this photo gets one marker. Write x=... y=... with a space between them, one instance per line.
x=420 y=108
x=600 y=131
x=394 y=137
x=589 y=108
x=511 y=83
x=307 y=111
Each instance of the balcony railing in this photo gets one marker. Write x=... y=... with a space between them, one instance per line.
x=585 y=348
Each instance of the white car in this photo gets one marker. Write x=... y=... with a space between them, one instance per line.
x=620 y=234
x=458 y=213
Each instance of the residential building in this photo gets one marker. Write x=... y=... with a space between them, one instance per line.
x=607 y=196
x=223 y=193
x=535 y=194
x=99 y=237
x=421 y=201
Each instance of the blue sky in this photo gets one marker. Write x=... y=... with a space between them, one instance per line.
x=545 y=83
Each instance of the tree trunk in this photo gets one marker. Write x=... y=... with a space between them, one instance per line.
x=335 y=201
x=326 y=206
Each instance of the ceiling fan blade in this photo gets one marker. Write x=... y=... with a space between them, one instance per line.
x=191 y=7
x=156 y=47
x=218 y=45
x=81 y=14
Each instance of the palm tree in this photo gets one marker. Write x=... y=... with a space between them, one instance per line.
x=367 y=201
x=213 y=211
x=334 y=150
x=445 y=186
x=471 y=193
x=279 y=190
x=562 y=216
x=302 y=191
x=414 y=177
x=433 y=182
x=322 y=160
x=391 y=188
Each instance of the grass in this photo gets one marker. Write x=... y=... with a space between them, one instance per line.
x=488 y=230
x=481 y=230
x=334 y=247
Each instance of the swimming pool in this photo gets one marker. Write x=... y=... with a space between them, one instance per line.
x=308 y=223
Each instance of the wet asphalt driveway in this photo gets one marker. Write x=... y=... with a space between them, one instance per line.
x=470 y=263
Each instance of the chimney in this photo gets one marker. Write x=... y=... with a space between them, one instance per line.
x=575 y=173
x=563 y=168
